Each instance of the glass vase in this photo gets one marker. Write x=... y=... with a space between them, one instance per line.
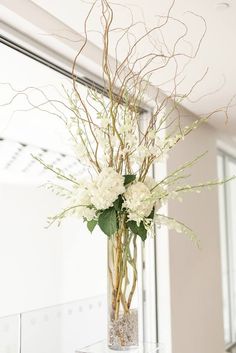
x=122 y=290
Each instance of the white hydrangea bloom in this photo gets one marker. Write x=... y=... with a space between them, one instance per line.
x=84 y=197
x=106 y=188
x=138 y=201
x=150 y=182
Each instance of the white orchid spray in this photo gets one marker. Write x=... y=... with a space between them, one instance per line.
x=112 y=195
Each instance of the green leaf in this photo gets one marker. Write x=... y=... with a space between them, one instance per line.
x=118 y=203
x=129 y=178
x=132 y=225
x=139 y=230
x=107 y=221
x=91 y=225
x=151 y=216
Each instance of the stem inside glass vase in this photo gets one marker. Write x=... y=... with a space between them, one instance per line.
x=122 y=290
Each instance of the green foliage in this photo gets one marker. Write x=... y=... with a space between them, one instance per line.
x=91 y=225
x=139 y=230
x=107 y=221
x=118 y=203
x=151 y=216
x=129 y=178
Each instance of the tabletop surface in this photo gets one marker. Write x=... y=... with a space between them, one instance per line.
x=101 y=347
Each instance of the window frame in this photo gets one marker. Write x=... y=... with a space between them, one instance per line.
x=226 y=237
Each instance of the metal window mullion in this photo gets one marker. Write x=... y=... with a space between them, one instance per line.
x=155 y=270
x=84 y=77
x=227 y=196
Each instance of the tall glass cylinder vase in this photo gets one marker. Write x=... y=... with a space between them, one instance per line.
x=122 y=290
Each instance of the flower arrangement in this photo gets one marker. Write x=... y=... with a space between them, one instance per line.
x=111 y=195
x=118 y=138
x=119 y=144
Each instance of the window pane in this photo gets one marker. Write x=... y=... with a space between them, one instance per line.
x=44 y=266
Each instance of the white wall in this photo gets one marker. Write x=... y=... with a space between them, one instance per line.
x=42 y=267
x=195 y=275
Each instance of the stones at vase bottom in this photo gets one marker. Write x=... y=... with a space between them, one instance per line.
x=123 y=332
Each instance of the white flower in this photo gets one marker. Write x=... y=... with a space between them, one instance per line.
x=143 y=151
x=131 y=139
x=150 y=182
x=105 y=120
x=151 y=134
x=86 y=212
x=105 y=190
x=82 y=198
x=158 y=192
x=81 y=153
x=138 y=201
